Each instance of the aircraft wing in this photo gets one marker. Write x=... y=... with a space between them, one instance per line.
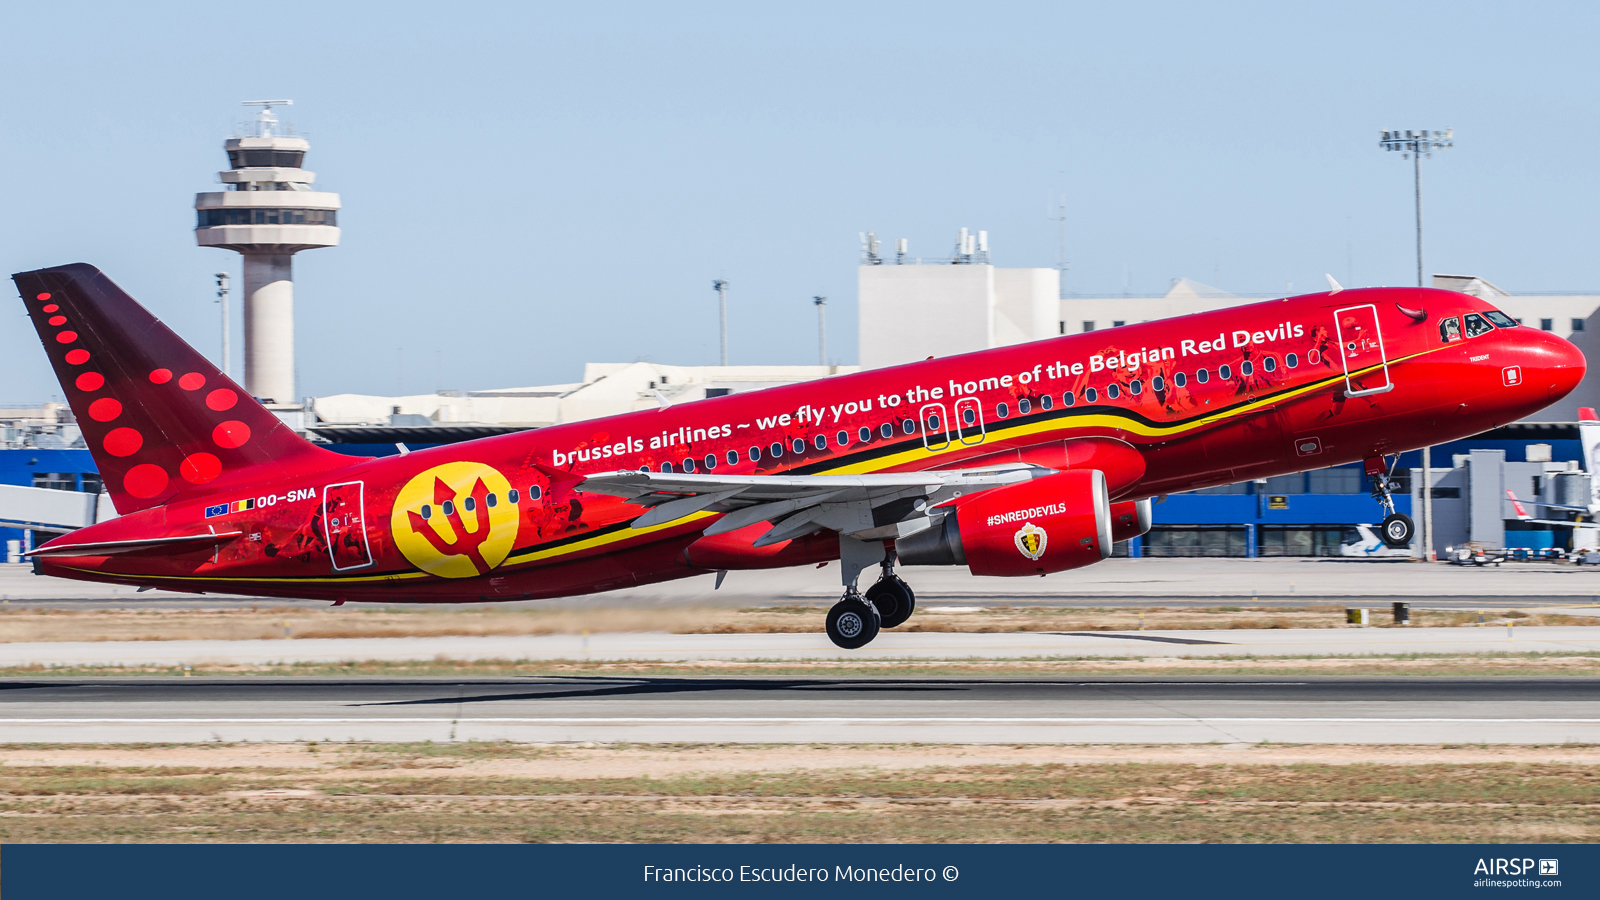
x=860 y=506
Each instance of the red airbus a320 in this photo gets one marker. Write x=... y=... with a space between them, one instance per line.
x=1022 y=460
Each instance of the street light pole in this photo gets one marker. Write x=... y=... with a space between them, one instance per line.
x=822 y=329
x=1414 y=144
x=222 y=298
x=721 y=287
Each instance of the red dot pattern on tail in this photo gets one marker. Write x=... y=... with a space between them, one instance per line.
x=90 y=381
x=231 y=434
x=161 y=376
x=199 y=468
x=105 y=409
x=78 y=357
x=193 y=381
x=123 y=442
x=221 y=399
x=43 y=297
x=51 y=308
x=66 y=337
x=145 y=480
x=58 y=320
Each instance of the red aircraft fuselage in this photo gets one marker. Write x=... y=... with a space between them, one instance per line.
x=1172 y=405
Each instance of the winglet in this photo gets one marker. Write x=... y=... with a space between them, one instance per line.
x=1336 y=286
x=1586 y=414
x=1517 y=505
x=562 y=482
x=661 y=398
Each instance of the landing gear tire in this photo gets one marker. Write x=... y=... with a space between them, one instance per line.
x=1397 y=530
x=853 y=622
x=894 y=600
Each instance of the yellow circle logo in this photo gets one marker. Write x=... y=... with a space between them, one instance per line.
x=455 y=520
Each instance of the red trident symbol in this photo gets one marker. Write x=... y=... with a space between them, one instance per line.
x=465 y=543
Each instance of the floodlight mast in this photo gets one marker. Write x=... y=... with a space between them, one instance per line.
x=721 y=287
x=1412 y=145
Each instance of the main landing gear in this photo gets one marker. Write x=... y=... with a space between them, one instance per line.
x=855 y=620
x=1397 y=528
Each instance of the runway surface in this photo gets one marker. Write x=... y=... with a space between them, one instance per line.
x=1296 y=642
x=941 y=710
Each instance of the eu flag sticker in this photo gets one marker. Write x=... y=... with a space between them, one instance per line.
x=220 y=509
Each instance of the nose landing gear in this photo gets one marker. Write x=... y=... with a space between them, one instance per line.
x=1397 y=528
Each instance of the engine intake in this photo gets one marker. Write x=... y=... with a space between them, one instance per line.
x=1050 y=524
x=1130 y=519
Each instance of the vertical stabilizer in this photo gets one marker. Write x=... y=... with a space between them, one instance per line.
x=160 y=420
x=1589 y=437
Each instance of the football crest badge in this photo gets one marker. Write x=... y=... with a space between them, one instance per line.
x=1031 y=540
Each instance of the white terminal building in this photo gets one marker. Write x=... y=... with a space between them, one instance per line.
x=268 y=211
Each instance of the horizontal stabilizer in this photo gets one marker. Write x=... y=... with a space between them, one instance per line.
x=112 y=548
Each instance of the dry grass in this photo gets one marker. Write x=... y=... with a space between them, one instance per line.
x=699 y=793
x=1439 y=665
x=269 y=622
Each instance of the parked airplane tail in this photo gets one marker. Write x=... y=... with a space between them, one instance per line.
x=160 y=420
x=1589 y=437
x=1517 y=505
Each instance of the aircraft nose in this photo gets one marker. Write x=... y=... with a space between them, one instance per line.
x=1560 y=365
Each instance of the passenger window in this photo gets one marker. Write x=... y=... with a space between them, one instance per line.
x=1158 y=384
x=470 y=504
x=1270 y=364
x=1224 y=372
x=665 y=468
x=755 y=453
x=1180 y=379
x=513 y=497
x=864 y=434
x=1449 y=330
x=969 y=416
x=1113 y=391
x=535 y=492
x=1292 y=359
x=1136 y=387
x=821 y=442
x=799 y=445
x=688 y=466
x=733 y=455
x=933 y=423
x=1202 y=376
x=449 y=507
x=776 y=449
x=1023 y=406
x=1247 y=368
x=711 y=461
x=1476 y=325
x=910 y=427
x=1068 y=399
x=1090 y=395
x=492 y=500
x=886 y=430
x=843 y=438
x=1001 y=410
x=427 y=511
x=1045 y=403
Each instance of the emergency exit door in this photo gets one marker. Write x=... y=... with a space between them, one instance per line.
x=1366 y=367
x=345 y=522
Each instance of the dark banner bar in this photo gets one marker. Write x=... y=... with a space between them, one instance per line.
x=437 y=872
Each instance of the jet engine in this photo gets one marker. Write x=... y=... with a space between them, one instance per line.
x=1130 y=519
x=1049 y=524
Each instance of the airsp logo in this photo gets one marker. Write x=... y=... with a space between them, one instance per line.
x=1031 y=540
x=454 y=520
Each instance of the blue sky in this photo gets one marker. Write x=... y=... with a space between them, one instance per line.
x=529 y=187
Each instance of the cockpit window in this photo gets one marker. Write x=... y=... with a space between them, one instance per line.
x=1476 y=325
x=1449 y=330
x=1500 y=318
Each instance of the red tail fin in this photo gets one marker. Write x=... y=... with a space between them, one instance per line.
x=161 y=421
x=1517 y=505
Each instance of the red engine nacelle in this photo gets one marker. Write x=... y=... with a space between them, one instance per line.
x=1049 y=524
x=1130 y=518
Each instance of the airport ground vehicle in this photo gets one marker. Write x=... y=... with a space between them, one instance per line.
x=1369 y=545
x=1017 y=461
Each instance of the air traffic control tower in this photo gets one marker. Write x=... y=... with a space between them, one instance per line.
x=267 y=211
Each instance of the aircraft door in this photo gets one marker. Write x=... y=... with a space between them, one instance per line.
x=1361 y=348
x=969 y=420
x=344 y=522
x=935 y=426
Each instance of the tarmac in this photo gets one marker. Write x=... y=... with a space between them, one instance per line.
x=890 y=645
x=898 y=711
